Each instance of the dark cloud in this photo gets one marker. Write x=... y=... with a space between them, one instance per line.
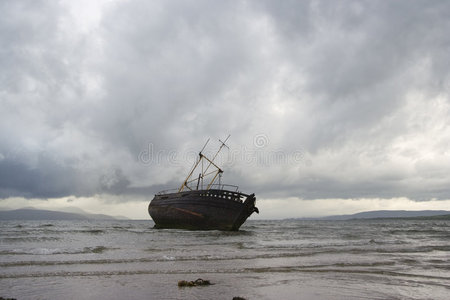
x=350 y=99
x=46 y=179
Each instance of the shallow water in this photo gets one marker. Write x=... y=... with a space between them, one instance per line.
x=376 y=259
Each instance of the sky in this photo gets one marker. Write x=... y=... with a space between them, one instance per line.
x=333 y=107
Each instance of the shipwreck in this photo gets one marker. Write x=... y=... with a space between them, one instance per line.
x=202 y=204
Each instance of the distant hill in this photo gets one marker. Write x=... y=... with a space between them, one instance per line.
x=385 y=214
x=39 y=214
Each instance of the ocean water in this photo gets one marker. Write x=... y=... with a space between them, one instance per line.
x=371 y=259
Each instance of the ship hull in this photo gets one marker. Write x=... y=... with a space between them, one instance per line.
x=202 y=210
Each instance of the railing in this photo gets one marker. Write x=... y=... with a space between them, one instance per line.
x=216 y=186
x=229 y=187
x=170 y=191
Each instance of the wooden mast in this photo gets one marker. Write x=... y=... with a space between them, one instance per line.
x=204 y=172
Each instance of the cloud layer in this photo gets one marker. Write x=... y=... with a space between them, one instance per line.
x=342 y=99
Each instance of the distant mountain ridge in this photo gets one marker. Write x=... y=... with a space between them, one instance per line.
x=385 y=214
x=40 y=214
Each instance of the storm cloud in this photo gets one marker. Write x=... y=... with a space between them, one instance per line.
x=342 y=99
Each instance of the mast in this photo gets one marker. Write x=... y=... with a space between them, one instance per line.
x=220 y=148
x=210 y=162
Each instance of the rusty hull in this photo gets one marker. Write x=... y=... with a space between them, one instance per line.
x=202 y=209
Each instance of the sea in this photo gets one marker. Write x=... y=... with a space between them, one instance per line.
x=281 y=259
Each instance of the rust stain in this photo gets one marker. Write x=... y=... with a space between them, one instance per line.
x=189 y=212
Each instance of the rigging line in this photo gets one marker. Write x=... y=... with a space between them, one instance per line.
x=220 y=148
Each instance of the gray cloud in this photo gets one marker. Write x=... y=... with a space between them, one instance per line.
x=359 y=89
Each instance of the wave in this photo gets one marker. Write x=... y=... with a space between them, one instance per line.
x=194 y=258
x=28 y=239
x=51 y=251
x=161 y=254
x=356 y=269
x=93 y=231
